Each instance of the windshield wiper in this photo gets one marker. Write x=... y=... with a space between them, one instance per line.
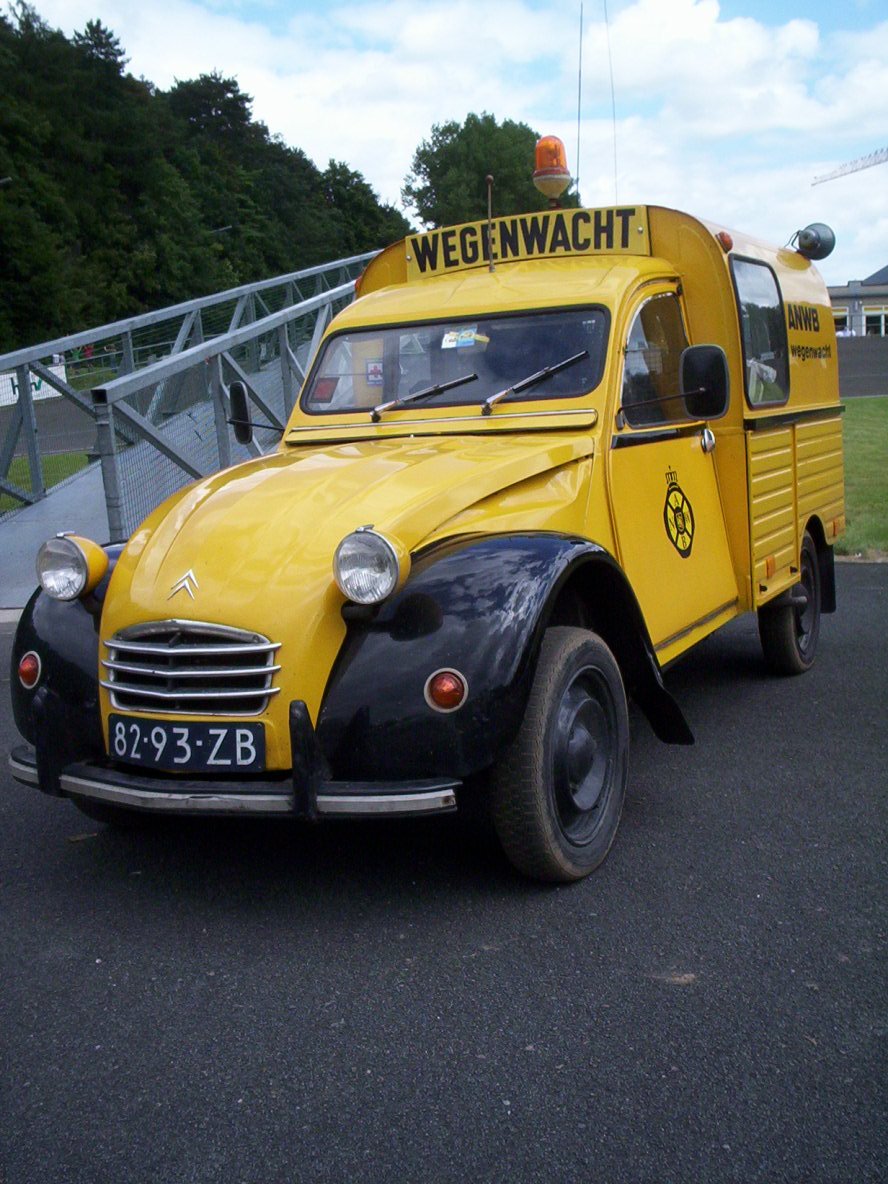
x=531 y=380
x=425 y=393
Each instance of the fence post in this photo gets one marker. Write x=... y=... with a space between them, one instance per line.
x=29 y=427
x=220 y=412
x=252 y=347
x=322 y=320
x=128 y=364
x=107 y=446
x=286 y=371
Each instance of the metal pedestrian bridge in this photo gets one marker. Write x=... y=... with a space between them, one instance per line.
x=97 y=428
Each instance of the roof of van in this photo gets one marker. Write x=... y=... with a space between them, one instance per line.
x=510 y=287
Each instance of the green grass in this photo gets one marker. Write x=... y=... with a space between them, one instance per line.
x=83 y=379
x=56 y=467
x=866 y=478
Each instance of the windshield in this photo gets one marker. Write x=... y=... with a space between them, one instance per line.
x=460 y=363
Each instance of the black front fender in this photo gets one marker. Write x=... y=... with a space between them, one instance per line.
x=479 y=606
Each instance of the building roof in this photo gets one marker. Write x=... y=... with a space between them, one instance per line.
x=878 y=277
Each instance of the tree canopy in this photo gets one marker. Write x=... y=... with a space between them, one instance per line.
x=121 y=197
x=447 y=184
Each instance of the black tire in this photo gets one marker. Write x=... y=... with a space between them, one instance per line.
x=789 y=630
x=557 y=794
x=118 y=817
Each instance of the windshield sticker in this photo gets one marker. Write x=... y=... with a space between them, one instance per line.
x=463 y=338
x=374 y=372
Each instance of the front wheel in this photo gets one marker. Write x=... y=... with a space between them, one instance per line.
x=789 y=630
x=557 y=794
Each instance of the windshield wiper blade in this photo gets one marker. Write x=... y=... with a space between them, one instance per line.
x=531 y=380
x=425 y=393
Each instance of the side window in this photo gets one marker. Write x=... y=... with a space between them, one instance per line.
x=651 y=393
x=763 y=332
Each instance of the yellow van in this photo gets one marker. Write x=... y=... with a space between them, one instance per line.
x=536 y=460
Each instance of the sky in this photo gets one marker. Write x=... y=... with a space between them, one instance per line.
x=727 y=110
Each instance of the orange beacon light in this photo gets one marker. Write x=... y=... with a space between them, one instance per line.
x=551 y=175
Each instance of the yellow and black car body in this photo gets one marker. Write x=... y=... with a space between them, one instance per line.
x=546 y=455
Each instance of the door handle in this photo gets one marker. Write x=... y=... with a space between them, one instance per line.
x=707 y=439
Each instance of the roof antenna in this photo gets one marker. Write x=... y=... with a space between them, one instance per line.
x=579 y=104
x=610 y=63
x=489 y=180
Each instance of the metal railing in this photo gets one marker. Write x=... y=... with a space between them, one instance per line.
x=163 y=426
x=153 y=370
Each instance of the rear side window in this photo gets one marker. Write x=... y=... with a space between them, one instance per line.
x=763 y=331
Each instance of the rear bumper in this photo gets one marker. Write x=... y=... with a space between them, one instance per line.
x=266 y=797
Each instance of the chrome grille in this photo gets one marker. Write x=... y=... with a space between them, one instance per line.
x=190 y=668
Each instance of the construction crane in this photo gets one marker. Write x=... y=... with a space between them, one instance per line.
x=854 y=166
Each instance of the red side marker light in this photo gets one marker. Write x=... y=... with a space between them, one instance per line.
x=446 y=690
x=29 y=670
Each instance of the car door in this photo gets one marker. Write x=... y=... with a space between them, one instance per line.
x=669 y=526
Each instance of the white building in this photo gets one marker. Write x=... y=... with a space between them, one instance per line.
x=860 y=307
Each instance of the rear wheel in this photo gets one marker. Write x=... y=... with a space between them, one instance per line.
x=789 y=630
x=557 y=794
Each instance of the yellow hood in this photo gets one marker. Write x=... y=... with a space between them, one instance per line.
x=259 y=539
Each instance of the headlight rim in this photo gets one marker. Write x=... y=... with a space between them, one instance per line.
x=88 y=560
x=397 y=562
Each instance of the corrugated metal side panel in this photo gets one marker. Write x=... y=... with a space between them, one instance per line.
x=821 y=475
x=773 y=516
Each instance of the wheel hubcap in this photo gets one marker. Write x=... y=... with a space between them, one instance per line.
x=806 y=610
x=584 y=741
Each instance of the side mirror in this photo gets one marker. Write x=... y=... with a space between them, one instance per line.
x=240 y=413
x=705 y=384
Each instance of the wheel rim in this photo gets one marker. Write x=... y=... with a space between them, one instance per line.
x=806 y=617
x=584 y=755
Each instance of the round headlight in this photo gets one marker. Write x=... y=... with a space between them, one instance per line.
x=68 y=566
x=366 y=566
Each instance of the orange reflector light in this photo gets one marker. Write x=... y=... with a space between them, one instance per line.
x=446 y=690
x=29 y=669
x=770 y=566
x=726 y=241
x=551 y=175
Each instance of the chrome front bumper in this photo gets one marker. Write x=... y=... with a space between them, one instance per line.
x=266 y=797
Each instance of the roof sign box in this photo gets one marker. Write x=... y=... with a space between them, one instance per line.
x=618 y=230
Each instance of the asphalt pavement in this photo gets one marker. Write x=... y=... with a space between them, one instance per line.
x=389 y=1002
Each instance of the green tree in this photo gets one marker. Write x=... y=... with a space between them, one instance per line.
x=123 y=198
x=361 y=222
x=101 y=43
x=447 y=183
x=216 y=107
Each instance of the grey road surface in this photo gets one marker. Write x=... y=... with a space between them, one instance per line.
x=390 y=1003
